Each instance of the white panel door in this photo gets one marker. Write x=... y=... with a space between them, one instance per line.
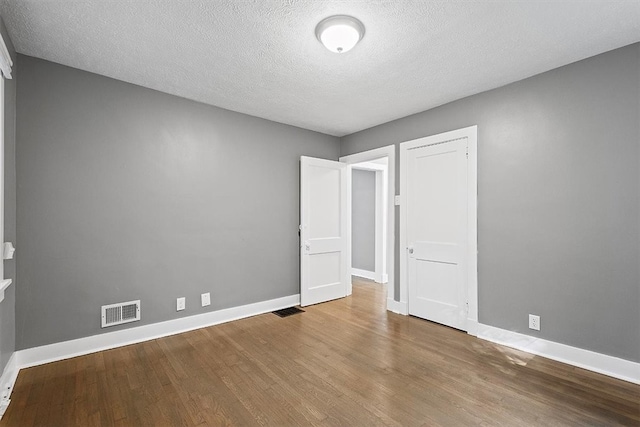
x=436 y=203
x=324 y=261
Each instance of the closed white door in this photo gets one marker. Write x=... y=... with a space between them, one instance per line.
x=436 y=227
x=324 y=230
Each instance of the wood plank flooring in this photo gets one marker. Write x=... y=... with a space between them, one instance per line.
x=345 y=362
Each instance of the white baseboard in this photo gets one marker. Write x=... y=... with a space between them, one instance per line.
x=398 y=307
x=472 y=327
x=608 y=365
x=7 y=381
x=371 y=275
x=81 y=346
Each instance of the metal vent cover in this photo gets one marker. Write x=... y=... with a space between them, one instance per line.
x=285 y=312
x=119 y=313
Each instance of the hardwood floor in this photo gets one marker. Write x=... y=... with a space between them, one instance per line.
x=346 y=362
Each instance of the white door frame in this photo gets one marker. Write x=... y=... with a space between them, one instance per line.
x=471 y=133
x=390 y=153
x=381 y=182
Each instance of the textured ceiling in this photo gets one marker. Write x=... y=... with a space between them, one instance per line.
x=261 y=57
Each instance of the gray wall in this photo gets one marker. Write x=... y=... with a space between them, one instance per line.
x=127 y=193
x=363 y=220
x=7 y=307
x=559 y=199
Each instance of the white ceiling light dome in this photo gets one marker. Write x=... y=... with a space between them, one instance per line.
x=340 y=33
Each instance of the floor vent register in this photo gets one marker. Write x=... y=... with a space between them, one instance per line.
x=288 y=311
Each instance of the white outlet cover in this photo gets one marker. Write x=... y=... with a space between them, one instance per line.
x=181 y=303
x=534 y=322
x=206 y=299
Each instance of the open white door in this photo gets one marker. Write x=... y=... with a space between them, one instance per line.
x=324 y=258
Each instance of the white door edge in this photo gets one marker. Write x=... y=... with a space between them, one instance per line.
x=471 y=133
x=390 y=153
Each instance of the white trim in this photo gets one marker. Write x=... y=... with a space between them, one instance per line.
x=369 y=166
x=7 y=381
x=597 y=362
x=5 y=59
x=398 y=307
x=350 y=227
x=81 y=346
x=472 y=227
x=472 y=327
x=371 y=275
x=367 y=156
x=2 y=110
x=4 y=284
x=471 y=133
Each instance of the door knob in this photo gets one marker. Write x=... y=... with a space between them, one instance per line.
x=410 y=249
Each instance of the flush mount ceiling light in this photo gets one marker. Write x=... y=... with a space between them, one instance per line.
x=339 y=33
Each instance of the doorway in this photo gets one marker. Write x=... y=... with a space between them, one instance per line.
x=369 y=196
x=380 y=165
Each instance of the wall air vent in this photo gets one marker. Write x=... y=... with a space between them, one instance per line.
x=123 y=312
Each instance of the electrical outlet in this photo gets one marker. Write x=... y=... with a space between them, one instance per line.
x=534 y=322
x=181 y=303
x=206 y=299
